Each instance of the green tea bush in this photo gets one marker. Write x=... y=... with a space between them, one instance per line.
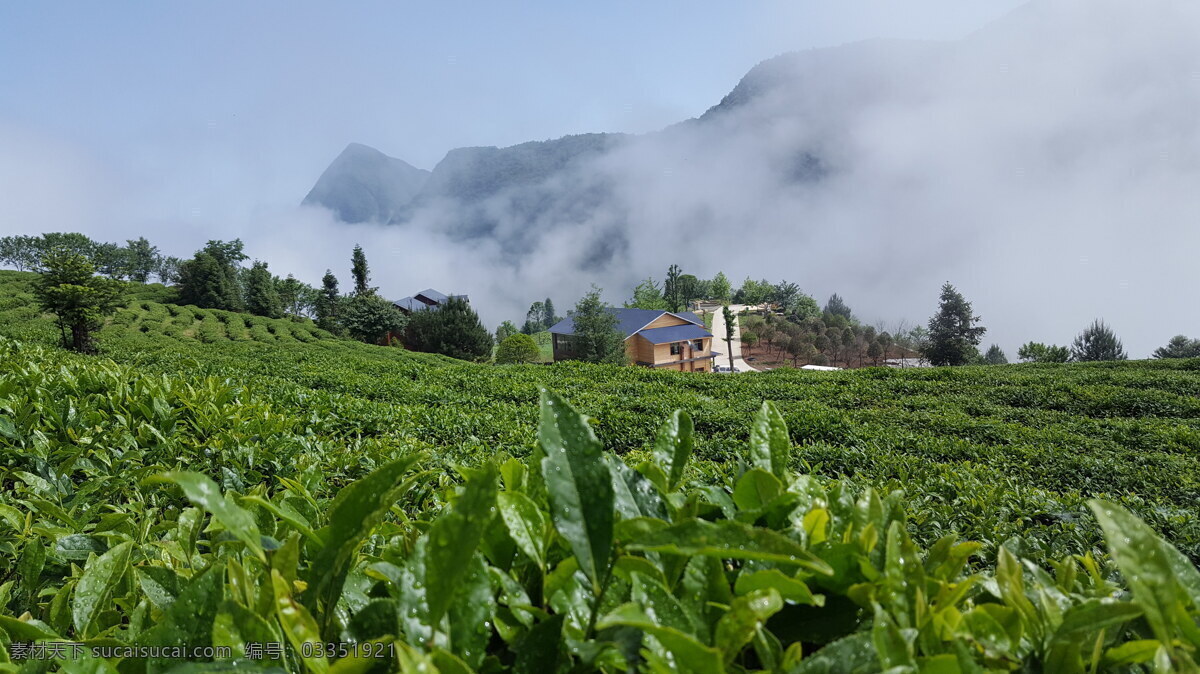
x=188 y=511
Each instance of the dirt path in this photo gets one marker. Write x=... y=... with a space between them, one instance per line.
x=721 y=346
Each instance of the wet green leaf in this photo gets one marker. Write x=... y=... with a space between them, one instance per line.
x=770 y=445
x=578 y=484
x=454 y=537
x=673 y=447
x=95 y=587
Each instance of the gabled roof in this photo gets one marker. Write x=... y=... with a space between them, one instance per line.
x=432 y=295
x=674 y=333
x=411 y=304
x=630 y=321
x=426 y=299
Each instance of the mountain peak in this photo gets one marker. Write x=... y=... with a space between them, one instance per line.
x=365 y=185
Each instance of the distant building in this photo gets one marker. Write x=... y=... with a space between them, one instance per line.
x=906 y=362
x=425 y=300
x=655 y=339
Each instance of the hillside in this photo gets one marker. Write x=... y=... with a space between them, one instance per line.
x=987 y=452
x=822 y=517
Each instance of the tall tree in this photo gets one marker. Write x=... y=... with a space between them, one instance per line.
x=784 y=293
x=71 y=242
x=647 y=296
x=210 y=279
x=534 y=318
x=953 y=333
x=168 y=269
x=141 y=259
x=111 y=260
x=295 y=296
x=328 y=302
x=672 y=290
x=69 y=288
x=549 y=318
x=838 y=307
x=720 y=288
x=690 y=289
x=1179 y=347
x=360 y=272
x=995 y=356
x=596 y=337
x=453 y=329
x=1097 y=342
x=730 y=326
x=262 y=298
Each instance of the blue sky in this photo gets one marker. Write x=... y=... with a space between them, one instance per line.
x=243 y=102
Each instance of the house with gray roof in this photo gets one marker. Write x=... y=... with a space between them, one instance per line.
x=424 y=301
x=656 y=339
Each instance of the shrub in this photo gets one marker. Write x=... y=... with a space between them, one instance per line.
x=518 y=348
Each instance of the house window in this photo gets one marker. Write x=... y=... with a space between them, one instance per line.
x=676 y=348
x=698 y=345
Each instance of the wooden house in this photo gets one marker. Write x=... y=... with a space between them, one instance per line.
x=656 y=339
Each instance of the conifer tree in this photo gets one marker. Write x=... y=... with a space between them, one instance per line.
x=328 y=303
x=360 y=272
x=1097 y=342
x=953 y=333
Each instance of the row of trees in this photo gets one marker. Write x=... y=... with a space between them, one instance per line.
x=137 y=260
x=215 y=278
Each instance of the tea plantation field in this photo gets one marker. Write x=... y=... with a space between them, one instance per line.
x=219 y=479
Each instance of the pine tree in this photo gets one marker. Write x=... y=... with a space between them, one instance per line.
x=953 y=334
x=995 y=356
x=328 y=302
x=549 y=318
x=1179 y=347
x=360 y=272
x=1097 y=342
x=672 y=289
x=838 y=307
x=453 y=329
x=262 y=298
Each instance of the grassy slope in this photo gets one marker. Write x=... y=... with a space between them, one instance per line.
x=987 y=452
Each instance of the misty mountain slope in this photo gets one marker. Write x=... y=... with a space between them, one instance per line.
x=1049 y=155
x=365 y=185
